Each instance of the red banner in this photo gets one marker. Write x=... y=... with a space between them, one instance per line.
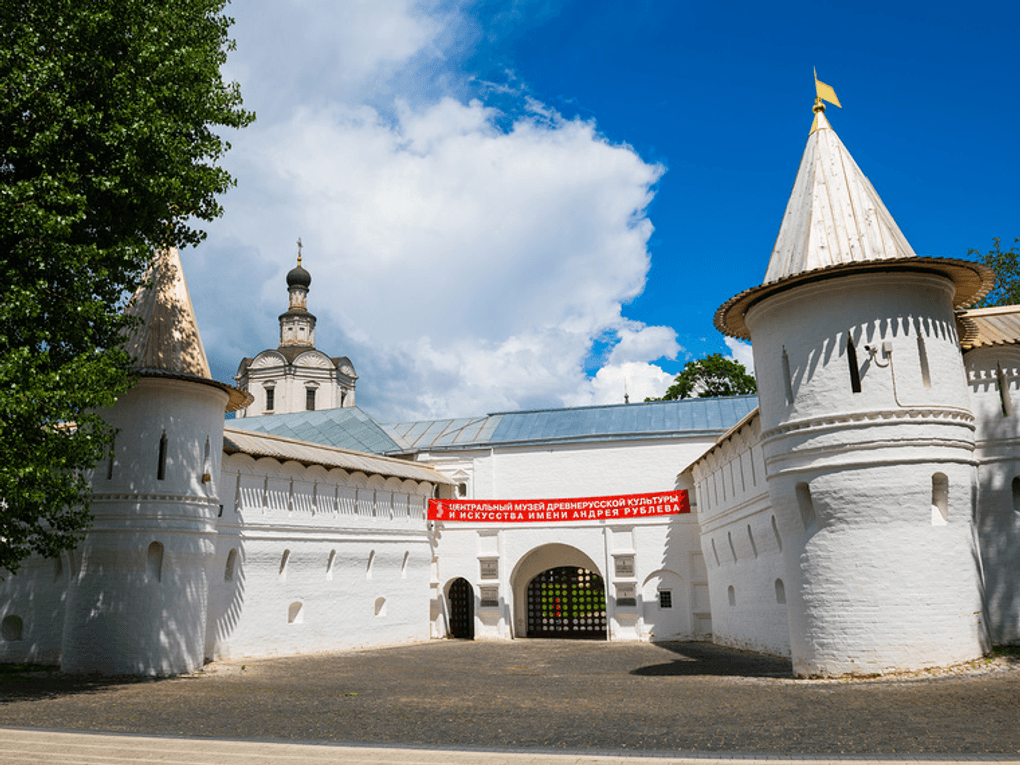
x=543 y=510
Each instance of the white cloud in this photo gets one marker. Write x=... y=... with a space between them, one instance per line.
x=740 y=351
x=636 y=379
x=464 y=258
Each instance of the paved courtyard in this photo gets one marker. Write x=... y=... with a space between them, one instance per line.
x=581 y=696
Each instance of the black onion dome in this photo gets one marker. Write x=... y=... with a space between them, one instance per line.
x=298 y=277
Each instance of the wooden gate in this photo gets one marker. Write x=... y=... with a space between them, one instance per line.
x=567 y=602
x=462 y=610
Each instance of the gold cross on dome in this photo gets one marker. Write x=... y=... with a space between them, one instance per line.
x=299 y=251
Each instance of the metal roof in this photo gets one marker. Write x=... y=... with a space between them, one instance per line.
x=344 y=428
x=991 y=326
x=686 y=417
x=283 y=449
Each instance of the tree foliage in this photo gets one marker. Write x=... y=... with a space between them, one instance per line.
x=710 y=377
x=1006 y=265
x=108 y=110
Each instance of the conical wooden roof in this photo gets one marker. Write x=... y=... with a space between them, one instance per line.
x=166 y=342
x=167 y=339
x=834 y=215
x=836 y=223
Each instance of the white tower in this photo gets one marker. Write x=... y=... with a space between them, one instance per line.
x=866 y=427
x=138 y=603
x=295 y=377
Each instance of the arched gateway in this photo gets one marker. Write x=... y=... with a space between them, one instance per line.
x=462 y=610
x=567 y=602
x=559 y=592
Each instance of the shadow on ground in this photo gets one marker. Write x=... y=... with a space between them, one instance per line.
x=708 y=659
x=32 y=682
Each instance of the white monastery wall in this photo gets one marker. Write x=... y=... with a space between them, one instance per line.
x=32 y=609
x=994 y=374
x=873 y=488
x=742 y=545
x=322 y=560
x=636 y=560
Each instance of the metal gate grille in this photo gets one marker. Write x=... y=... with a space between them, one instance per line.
x=462 y=610
x=567 y=602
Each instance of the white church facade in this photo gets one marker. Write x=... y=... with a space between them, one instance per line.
x=860 y=515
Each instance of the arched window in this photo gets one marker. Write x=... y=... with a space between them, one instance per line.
x=731 y=595
x=780 y=592
x=228 y=572
x=940 y=500
x=154 y=562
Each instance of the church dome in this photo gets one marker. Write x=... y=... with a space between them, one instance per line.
x=298 y=277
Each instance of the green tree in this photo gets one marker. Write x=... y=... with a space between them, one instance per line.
x=108 y=110
x=710 y=377
x=1006 y=265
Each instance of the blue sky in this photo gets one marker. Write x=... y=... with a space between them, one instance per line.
x=526 y=204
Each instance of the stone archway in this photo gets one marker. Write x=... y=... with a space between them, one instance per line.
x=541 y=564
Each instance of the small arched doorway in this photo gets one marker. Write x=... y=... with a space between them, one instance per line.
x=567 y=602
x=462 y=610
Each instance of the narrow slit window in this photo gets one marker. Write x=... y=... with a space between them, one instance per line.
x=940 y=500
x=161 y=469
x=787 y=380
x=855 y=370
x=922 y=355
x=780 y=592
x=109 y=463
x=154 y=562
x=1007 y=402
x=805 y=504
x=750 y=538
x=228 y=573
x=284 y=559
x=1016 y=495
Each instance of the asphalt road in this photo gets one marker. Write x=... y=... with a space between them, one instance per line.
x=679 y=698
